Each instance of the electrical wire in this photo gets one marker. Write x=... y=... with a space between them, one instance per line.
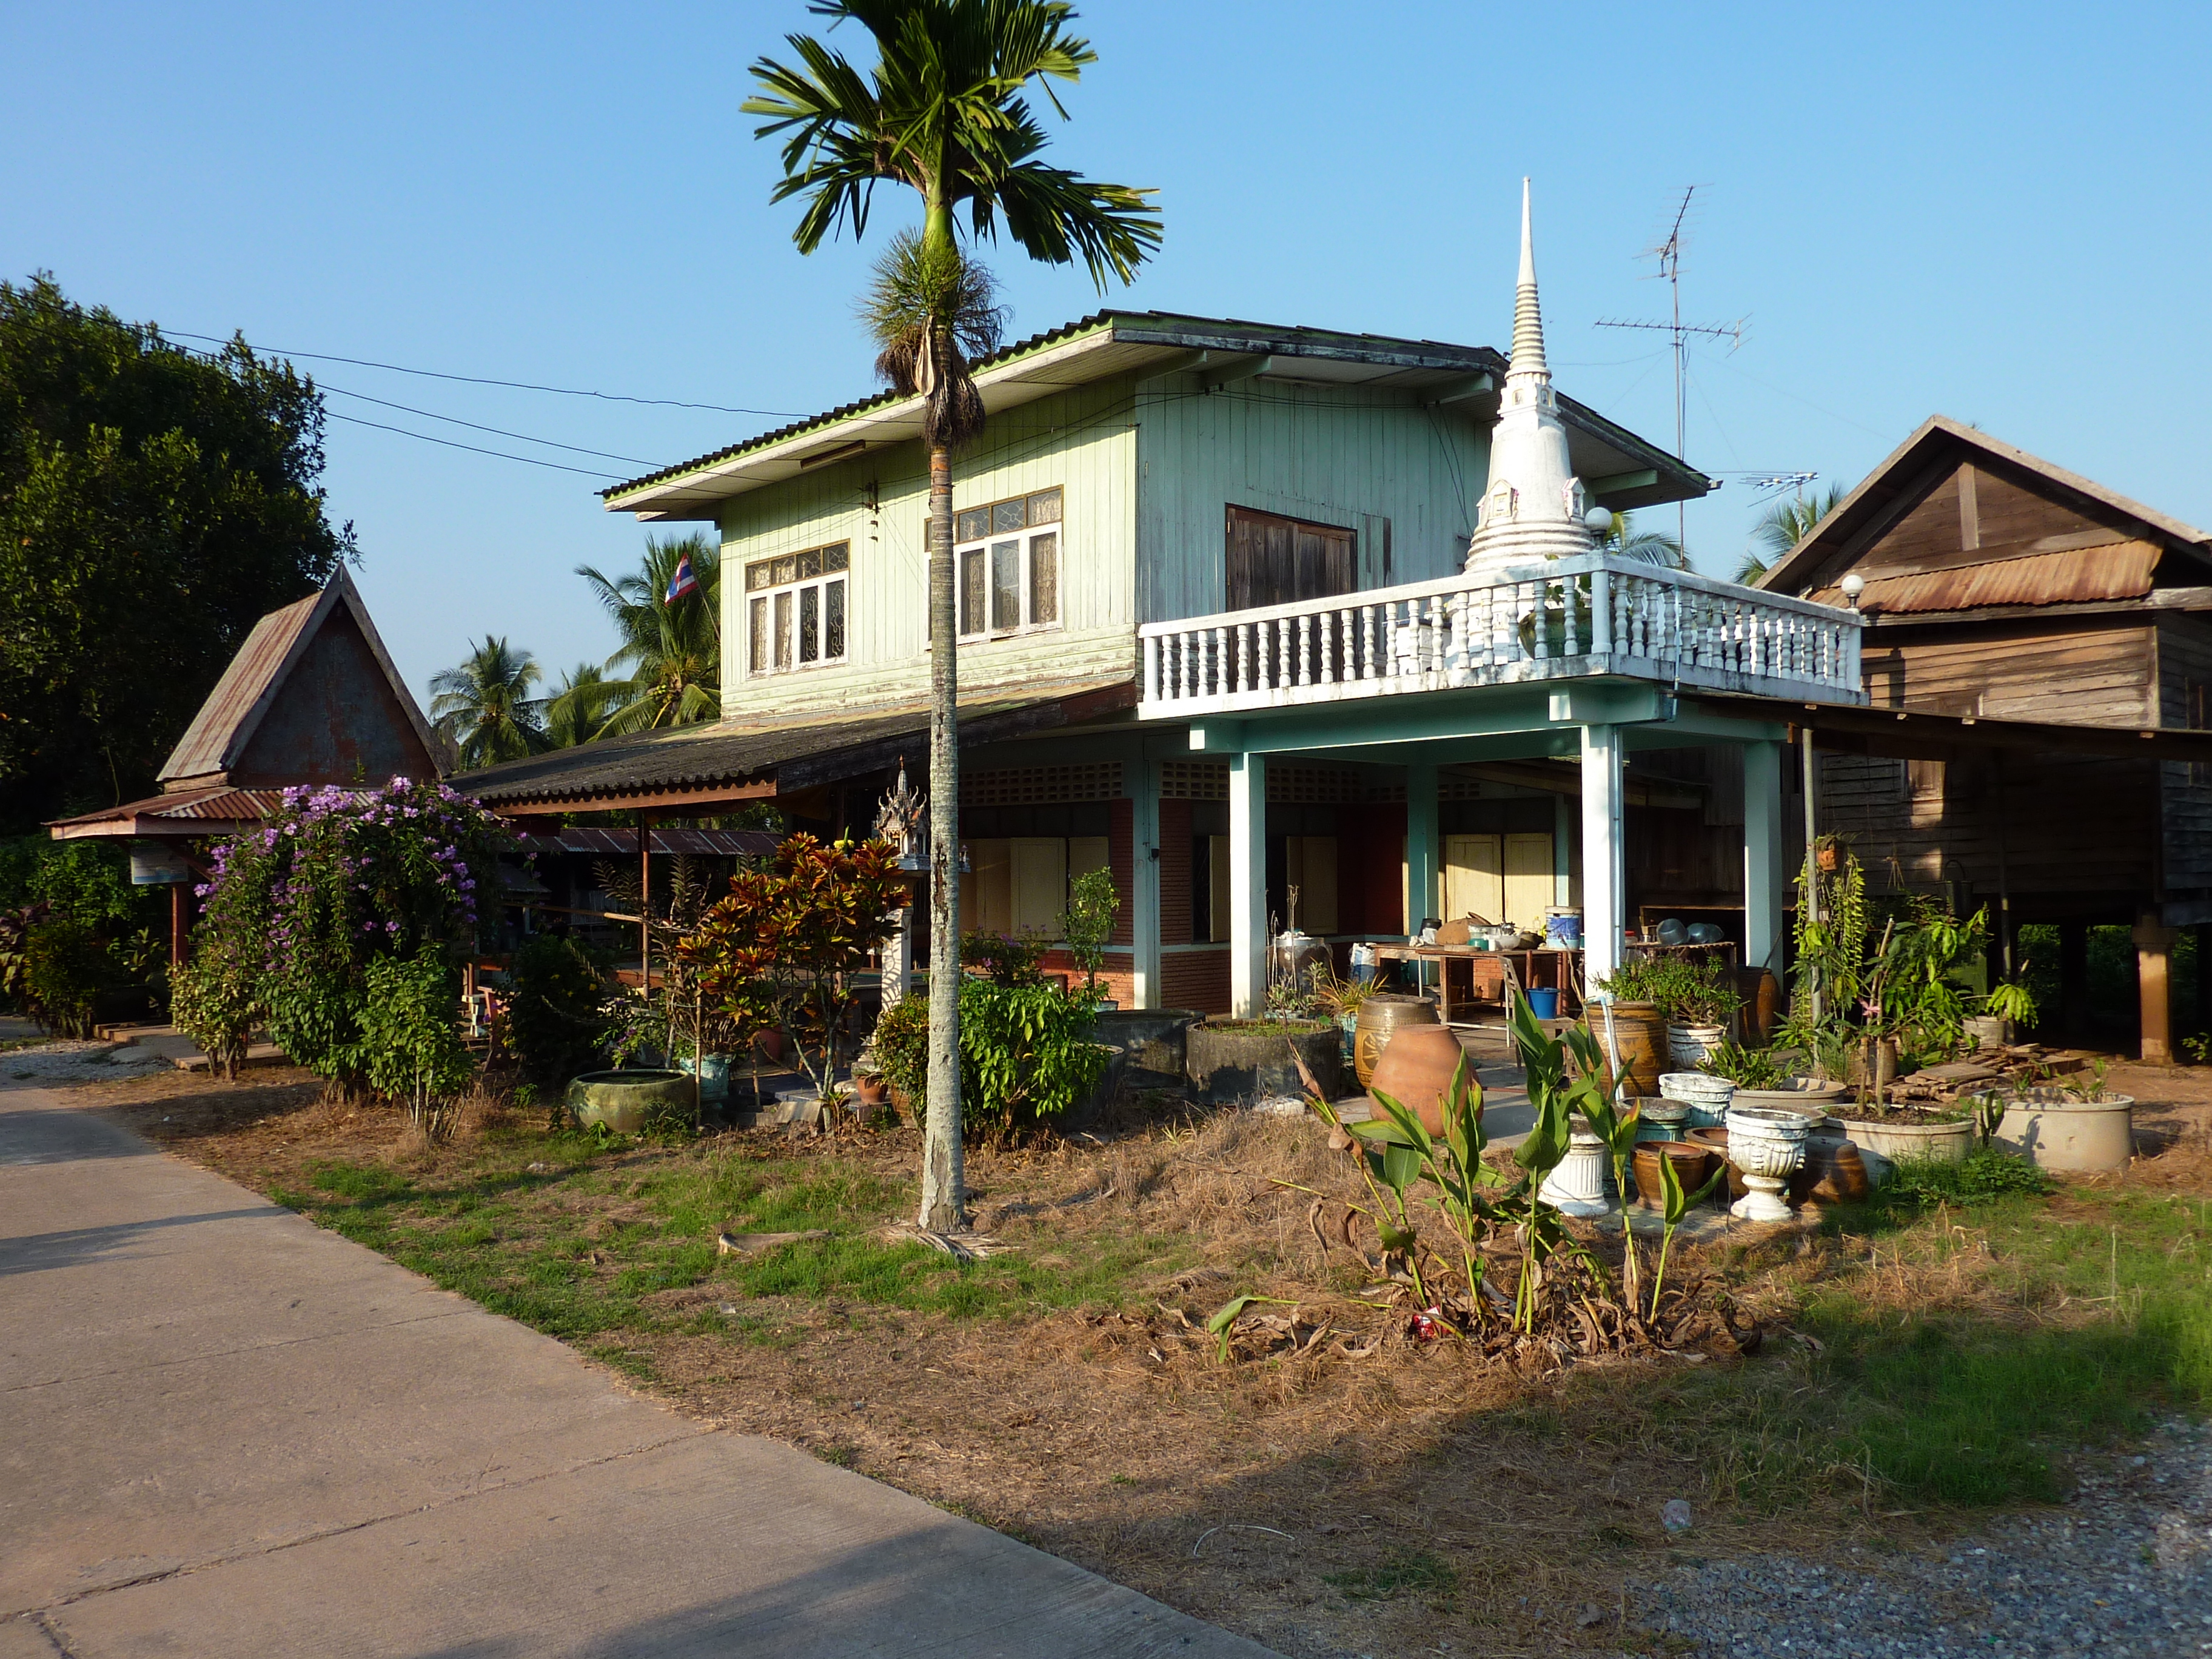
x=474 y=449
x=478 y=380
x=498 y=432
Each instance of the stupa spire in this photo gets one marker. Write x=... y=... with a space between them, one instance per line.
x=1528 y=317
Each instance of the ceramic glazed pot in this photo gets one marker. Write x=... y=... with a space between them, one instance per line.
x=2071 y=1135
x=714 y=1076
x=1687 y=1046
x=1662 y=1120
x=1693 y=1167
x=1639 y=1031
x=1768 y=1146
x=626 y=1101
x=1380 y=1019
x=1834 y=1172
x=1576 y=1185
x=1714 y=1137
x=1416 y=1070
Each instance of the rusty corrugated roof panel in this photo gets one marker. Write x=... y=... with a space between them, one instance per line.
x=208 y=744
x=695 y=843
x=2121 y=570
x=216 y=811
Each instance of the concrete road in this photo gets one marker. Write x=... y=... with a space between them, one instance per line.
x=226 y=1431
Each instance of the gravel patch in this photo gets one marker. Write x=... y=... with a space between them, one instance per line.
x=67 y=1060
x=2122 y=1570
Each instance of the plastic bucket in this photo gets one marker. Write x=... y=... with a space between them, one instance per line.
x=1564 y=932
x=1543 y=1001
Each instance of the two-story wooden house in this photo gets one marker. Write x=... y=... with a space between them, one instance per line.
x=1242 y=608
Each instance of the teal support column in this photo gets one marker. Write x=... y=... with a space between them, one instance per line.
x=1248 y=884
x=1145 y=880
x=1421 y=860
x=1765 y=865
x=1563 y=840
x=1604 y=854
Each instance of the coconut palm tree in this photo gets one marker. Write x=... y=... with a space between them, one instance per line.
x=1785 y=525
x=484 y=706
x=578 y=707
x=944 y=112
x=671 y=655
x=1656 y=547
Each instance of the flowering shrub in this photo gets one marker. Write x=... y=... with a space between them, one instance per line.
x=298 y=914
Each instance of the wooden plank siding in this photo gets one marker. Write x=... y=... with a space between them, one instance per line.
x=1403 y=477
x=2098 y=673
x=1080 y=442
x=2185 y=694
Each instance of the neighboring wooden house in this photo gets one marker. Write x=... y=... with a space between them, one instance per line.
x=311 y=697
x=1242 y=608
x=1999 y=589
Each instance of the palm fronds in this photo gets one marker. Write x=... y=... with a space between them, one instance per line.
x=484 y=706
x=670 y=655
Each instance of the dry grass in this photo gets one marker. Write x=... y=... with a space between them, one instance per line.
x=1320 y=1503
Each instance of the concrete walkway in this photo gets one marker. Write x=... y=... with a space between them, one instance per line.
x=226 y=1431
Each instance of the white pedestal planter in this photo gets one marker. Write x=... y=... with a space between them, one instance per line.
x=2070 y=1134
x=1706 y=1096
x=1688 y=1046
x=1578 y=1185
x=1767 y=1146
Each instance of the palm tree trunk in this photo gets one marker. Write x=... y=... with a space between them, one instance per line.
x=944 y=1193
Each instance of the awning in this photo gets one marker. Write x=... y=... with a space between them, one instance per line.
x=186 y=815
x=696 y=769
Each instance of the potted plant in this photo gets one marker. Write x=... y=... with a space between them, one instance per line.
x=2069 y=1125
x=1093 y=903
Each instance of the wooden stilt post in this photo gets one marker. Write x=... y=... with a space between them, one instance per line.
x=645 y=902
x=2154 y=943
x=177 y=923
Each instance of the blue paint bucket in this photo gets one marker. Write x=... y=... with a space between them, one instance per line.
x=1543 y=1002
x=1564 y=932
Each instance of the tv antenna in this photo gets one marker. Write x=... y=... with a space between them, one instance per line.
x=1775 y=484
x=1669 y=253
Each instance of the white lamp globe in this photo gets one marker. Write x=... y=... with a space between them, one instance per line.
x=1853 y=585
x=1600 y=520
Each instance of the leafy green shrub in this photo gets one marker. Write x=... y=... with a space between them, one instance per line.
x=411 y=1044
x=214 y=999
x=1026 y=1053
x=1687 y=993
x=64 y=967
x=1092 y=901
x=1984 y=1176
x=554 y=1025
x=1004 y=958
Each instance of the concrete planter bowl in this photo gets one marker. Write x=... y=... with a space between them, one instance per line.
x=1942 y=1143
x=2077 y=1135
x=1240 y=1060
x=628 y=1101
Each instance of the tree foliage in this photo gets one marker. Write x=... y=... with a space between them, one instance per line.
x=484 y=706
x=153 y=504
x=671 y=655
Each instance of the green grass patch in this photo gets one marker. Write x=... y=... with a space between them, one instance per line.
x=1405 y=1569
x=578 y=1249
x=1983 y=1177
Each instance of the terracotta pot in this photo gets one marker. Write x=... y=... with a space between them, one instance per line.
x=1828 y=858
x=1640 y=1031
x=871 y=1090
x=1416 y=1070
x=1693 y=1167
x=770 y=1045
x=1834 y=1173
x=1380 y=1017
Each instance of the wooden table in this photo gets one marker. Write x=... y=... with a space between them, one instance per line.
x=1543 y=968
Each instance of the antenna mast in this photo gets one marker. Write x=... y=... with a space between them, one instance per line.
x=1669 y=253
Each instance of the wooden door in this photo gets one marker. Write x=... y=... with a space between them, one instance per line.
x=1474 y=878
x=1528 y=880
x=1217 y=888
x=1309 y=863
x=1039 y=883
x=987 y=900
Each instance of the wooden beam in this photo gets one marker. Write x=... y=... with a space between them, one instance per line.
x=1613 y=484
x=1216 y=379
x=1470 y=386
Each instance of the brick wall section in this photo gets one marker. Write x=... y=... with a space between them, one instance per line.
x=1196 y=979
x=1117 y=977
x=1174 y=876
x=1120 y=858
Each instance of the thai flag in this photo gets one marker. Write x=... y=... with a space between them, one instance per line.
x=683 y=582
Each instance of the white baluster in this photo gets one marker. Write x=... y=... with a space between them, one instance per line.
x=1152 y=683
x=1223 y=682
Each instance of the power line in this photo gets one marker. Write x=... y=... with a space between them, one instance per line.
x=479 y=380
x=498 y=432
x=473 y=449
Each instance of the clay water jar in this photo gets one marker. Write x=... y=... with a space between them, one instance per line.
x=1416 y=1070
x=1639 y=1030
x=1715 y=1139
x=1381 y=1017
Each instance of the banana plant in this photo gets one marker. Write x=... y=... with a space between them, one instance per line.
x=1675 y=1206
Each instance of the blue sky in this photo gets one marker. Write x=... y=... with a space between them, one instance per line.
x=1996 y=212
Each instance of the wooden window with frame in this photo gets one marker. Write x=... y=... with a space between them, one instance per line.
x=1007 y=560
x=796 y=610
x=1273 y=560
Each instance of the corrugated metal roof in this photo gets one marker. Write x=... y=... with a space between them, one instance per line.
x=701 y=758
x=218 y=810
x=692 y=843
x=210 y=742
x=2121 y=570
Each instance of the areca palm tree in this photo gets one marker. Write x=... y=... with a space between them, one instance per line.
x=671 y=655
x=944 y=112
x=484 y=705
x=1785 y=524
x=578 y=705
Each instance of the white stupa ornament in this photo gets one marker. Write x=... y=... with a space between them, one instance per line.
x=1534 y=508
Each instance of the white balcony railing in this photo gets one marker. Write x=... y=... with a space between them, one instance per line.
x=1575 y=618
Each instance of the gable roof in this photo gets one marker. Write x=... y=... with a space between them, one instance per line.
x=1111 y=343
x=1912 y=469
x=234 y=710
